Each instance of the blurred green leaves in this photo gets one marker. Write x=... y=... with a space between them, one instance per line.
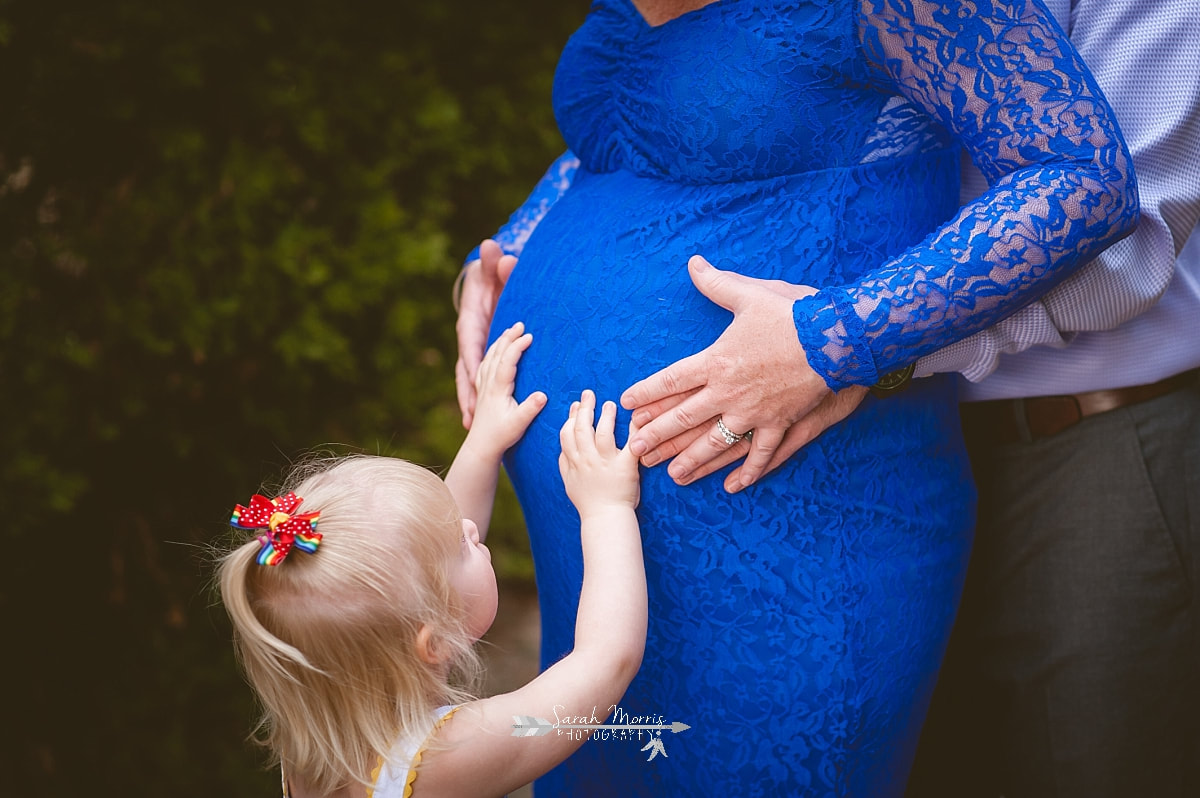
x=227 y=236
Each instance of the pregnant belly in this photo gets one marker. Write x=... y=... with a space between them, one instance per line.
x=603 y=287
x=603 y=283
x=603 y=280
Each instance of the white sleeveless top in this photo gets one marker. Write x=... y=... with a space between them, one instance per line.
x=394 y=777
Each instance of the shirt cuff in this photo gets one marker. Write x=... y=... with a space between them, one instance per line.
x=834 y=340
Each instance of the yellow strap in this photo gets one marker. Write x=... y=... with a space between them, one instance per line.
x=412 y=768
x=416 y=760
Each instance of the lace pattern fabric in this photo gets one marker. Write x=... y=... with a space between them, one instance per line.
x=799 y=622
x=1016 y=94
x=1013 y=90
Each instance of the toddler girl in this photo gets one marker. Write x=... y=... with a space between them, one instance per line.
x=357 y=637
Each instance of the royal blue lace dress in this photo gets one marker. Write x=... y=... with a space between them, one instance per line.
x=796 y=626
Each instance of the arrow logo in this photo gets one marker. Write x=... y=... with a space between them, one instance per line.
x=529 y=726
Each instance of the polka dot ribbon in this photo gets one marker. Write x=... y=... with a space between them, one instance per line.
x=285 y=529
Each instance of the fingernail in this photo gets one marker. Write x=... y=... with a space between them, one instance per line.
x=747 y=481
x=676 y=472
x=734 y=488
x=651 y=459
x=638 y=447
x=641 y=417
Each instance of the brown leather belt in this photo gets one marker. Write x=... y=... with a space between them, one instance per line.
x=997 y=420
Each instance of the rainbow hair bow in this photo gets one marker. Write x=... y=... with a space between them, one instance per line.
x=284 y=528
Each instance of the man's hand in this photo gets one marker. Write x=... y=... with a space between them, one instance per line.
x=754 y=377
x=482 y=283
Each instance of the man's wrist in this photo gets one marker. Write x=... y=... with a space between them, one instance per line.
x=894 y=381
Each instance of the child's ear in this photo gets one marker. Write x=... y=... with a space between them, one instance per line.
x=427 y=646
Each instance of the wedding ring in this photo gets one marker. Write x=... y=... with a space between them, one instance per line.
x=729 y=435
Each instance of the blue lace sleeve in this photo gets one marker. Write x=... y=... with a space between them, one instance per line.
x=1004 y=79
x=516 y=231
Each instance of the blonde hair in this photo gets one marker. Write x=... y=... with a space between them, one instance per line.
x=328 y=640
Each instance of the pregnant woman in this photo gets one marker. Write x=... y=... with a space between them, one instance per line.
x=797 y=625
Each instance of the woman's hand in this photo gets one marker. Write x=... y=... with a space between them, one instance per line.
x=598 y=476
x=500 y=420
x=482 y=282
x=833 y=408
x=754 y=377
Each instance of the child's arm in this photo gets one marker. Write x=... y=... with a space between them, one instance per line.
x=480 y=756
x=499 y=423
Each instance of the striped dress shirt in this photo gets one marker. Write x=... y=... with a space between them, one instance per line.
x=1132 y=316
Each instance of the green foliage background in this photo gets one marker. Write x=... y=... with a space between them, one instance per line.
x=227 y=236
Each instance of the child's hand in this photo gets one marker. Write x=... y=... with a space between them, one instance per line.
x=596 y=473
x=500 y=420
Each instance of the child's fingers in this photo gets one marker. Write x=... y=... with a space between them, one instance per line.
x=528 y=409
x=605 y=442
x=503 y=341
x=483 y=374
x=516 y=348
x=566 y=435
x=505 y=370
x=585 y=434
x=633 y=428
x=500 y=363
x=506 y=356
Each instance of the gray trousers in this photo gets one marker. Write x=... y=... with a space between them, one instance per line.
x=1074 y=665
